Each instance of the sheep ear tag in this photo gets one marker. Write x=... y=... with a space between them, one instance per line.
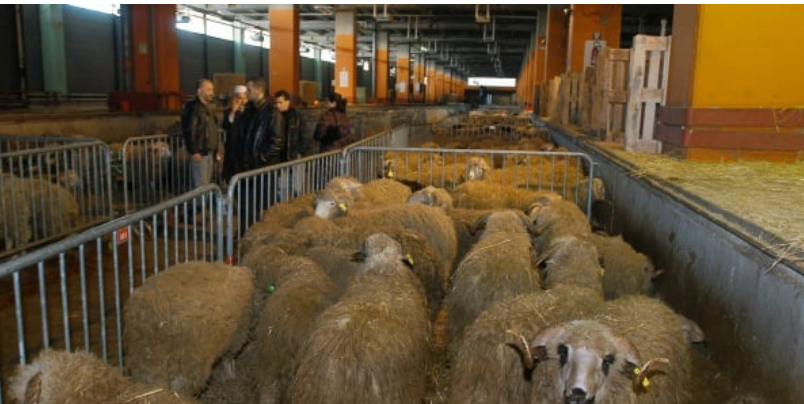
x=390 y=174
x=408 y=260
x=342 y=206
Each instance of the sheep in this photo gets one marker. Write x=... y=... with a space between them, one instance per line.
x=432 y=196
x=426 y=263
x=626 y=270
x=610 y=358
x=183 y=320
x=382 y=192
x=464 y=222
x=432 y=223
x=499 y=265
x=486 y=368
x=54 y=210
x=57 y=377
x=489 y=195
x=572 y=260
x=558 y=219
x=372 y=345
x=15 y=218
x=287 y=318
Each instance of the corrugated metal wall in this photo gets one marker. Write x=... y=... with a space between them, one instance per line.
x=9 y=75
x=91 y=61
x=89 y=50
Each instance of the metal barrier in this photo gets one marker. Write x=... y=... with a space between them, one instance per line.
x=49 y=192
x=250 y=193
x=70 y=294
x=562 y=172
x=155 y=168
x=15 y=143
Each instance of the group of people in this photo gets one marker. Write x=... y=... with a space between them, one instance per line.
x=260 y=131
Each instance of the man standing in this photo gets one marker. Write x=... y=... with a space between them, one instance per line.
x=291 y=126
x=200 y=129
x=263 y=143
x=234 y=126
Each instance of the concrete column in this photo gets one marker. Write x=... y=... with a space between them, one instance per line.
x=381 y=67
x=346 y=55
x=403 y=81
x=283 y=58
x=733 y=93
x=52 y=30
x=419 y=75
x=323 y=88
x=585 y=21
x=556 y=43
x=239 y=55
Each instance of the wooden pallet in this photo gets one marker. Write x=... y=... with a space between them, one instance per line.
x=650 y=62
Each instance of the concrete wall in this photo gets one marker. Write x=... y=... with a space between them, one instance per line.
x=749 y=303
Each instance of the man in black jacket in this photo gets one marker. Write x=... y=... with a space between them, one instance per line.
x=201 y=131
x=295 y=143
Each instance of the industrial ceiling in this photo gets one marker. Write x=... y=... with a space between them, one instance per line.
x=471 y=39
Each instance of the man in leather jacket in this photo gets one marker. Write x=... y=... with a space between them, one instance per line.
x=201 y=130
x=263 y=142
x=289 y=122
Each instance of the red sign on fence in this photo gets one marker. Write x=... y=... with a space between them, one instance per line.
x=122 y=235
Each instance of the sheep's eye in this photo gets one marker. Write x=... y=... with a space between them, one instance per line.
x=562 y=353
x=607 y=362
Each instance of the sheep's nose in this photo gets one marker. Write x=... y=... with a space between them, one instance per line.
x=577 y=396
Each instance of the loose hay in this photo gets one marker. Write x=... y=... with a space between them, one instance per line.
x=765 y=194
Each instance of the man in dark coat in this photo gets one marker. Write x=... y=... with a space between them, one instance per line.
x=201 y=131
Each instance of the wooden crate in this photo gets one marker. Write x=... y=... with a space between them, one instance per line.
x=570 y=98
x=225 y=83
x=587 y=100
x=553 y=91
x=610 y=94
x=650 y=62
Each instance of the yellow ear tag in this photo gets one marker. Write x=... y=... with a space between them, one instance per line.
x=390 y=174
x=645 y=383
x=409 y=258
x=637 y=371
x=342 y=206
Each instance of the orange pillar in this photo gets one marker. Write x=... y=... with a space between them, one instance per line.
x=402 y=73
x=346 y=55
x=155 y=67
x=556 y=52
x=585 y=21
x=733 y=94
x=381 y=68
x=284 y=59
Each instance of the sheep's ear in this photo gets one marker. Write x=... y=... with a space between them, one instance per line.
x=359 y=256
x=480 y=224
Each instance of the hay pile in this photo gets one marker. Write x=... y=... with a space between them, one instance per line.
x=765 y=194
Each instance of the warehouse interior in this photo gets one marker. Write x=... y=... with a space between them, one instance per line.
x=687 y=114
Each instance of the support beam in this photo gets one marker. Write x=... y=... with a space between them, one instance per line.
x=403 y=81
x=284 y=57
x=381 y=67
x=556 y=53
x=52 y=31
x=346 y=55
x=720 y=106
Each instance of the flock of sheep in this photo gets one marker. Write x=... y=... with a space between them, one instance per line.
x=357 y=293
x=476 y=290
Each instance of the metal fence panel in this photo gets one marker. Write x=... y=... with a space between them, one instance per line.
x=155 y=168
x=52 y=191
x=70 y=294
